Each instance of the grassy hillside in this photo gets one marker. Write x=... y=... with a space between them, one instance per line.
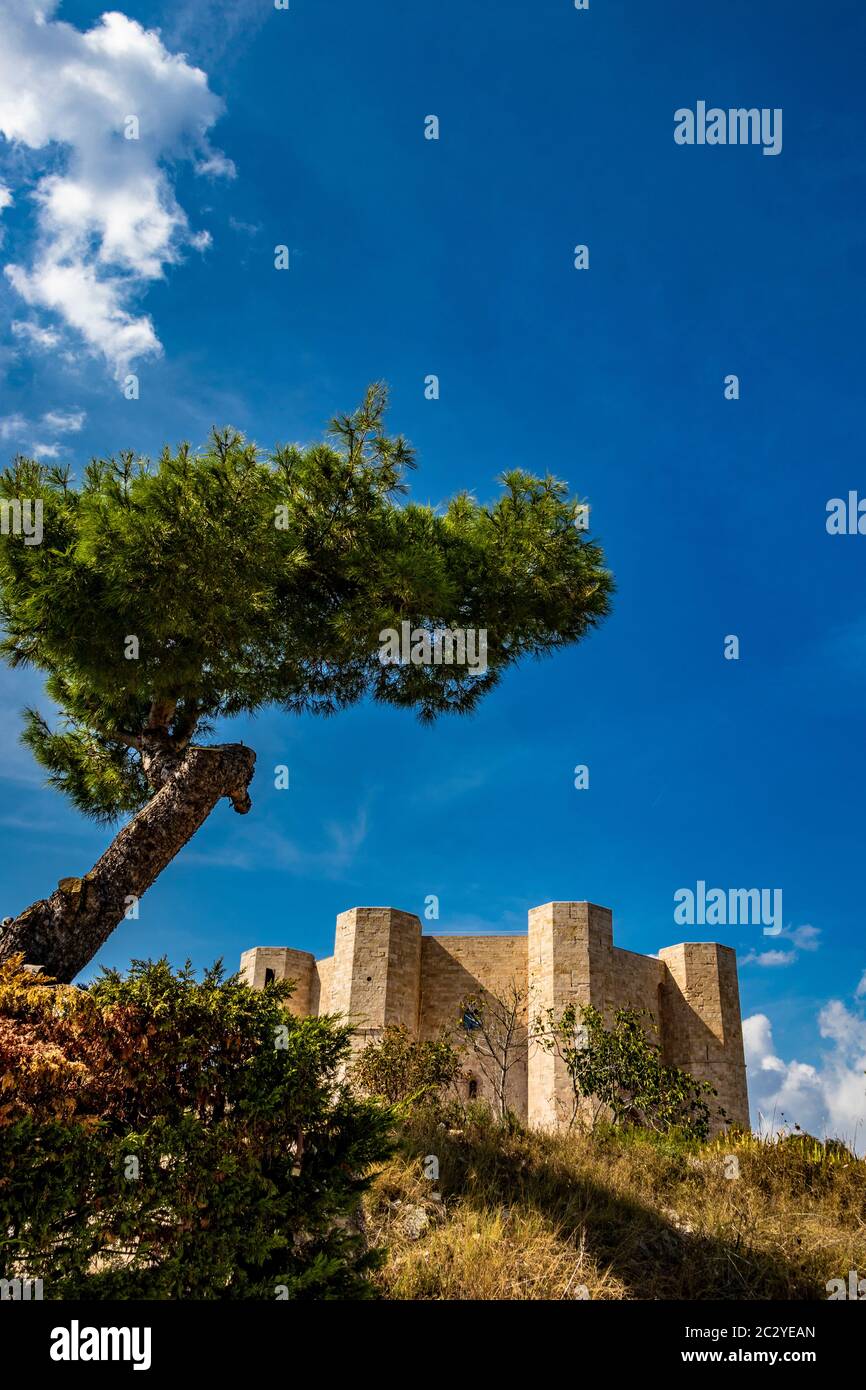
x=617 y=1215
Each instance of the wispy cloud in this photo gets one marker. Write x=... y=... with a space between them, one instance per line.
x=74 y=827
x=231 y=24
x=769 y=959
x=217 y=166
x=328 y=853
x=6 y=201
x=39 y=438
x=64 y=422
x=40 y=450
x=245 y=228
x=34 y=334
x=329 y=859
x=454 y=786
x=13 y=427
x=805 y=938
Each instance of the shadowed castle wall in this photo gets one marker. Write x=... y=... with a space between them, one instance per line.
x=702 y=1028
x=320 y=994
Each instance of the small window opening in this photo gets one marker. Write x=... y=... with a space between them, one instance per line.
x=473 y=1088
x=269 y=976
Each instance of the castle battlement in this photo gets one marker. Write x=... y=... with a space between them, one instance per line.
x=385 y=971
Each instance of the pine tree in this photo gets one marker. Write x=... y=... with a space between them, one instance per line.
x=165 y=597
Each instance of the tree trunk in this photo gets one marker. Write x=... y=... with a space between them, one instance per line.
x=62 y=933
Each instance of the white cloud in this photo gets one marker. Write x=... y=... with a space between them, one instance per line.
x=64 y=422
x=860 y=991
x=6 y=201
x=247 y=228
x=805 y=938
x=12 y=427
x=827 y=1100
x=54 y=422
x=36 y=335
x=217 y=166
x=769 y=959
x=108 y=221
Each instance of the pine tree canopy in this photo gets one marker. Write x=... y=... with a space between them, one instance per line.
x=164 y=597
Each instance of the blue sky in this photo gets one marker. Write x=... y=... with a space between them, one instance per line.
x=455 y=257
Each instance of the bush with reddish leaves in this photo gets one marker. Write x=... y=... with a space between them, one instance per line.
x=163 y=1137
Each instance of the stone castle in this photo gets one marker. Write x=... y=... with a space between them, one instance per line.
x=385 y=972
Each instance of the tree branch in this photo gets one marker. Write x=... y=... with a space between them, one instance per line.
x=63 y=932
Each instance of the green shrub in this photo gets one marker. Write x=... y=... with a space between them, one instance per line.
x=167 y=1138
x=404 y=1070
x=618 y=1074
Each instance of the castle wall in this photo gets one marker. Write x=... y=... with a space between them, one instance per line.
x=569 y=961
x=384 y=972
x=636 y=981
x=455 y=967
x=320 y=993
x=376 y=975
x=701 y=1023
x=286 y=964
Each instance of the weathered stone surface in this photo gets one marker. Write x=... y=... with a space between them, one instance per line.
x=385 y=972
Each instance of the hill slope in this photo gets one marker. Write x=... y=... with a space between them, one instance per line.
x=615 y=1215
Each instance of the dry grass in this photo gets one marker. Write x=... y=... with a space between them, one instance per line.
x=525 y=1215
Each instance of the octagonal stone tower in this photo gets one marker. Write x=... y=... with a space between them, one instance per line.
x=700 y=1019
x=376 y=977
x=570 y=947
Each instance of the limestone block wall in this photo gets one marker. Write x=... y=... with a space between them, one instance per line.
x=701 y=1022
x=320 y=993
x=455 y=967
x=569 y=959
x=385 y=972
x=376 y=973
x=286 y=964
x=636 y=981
